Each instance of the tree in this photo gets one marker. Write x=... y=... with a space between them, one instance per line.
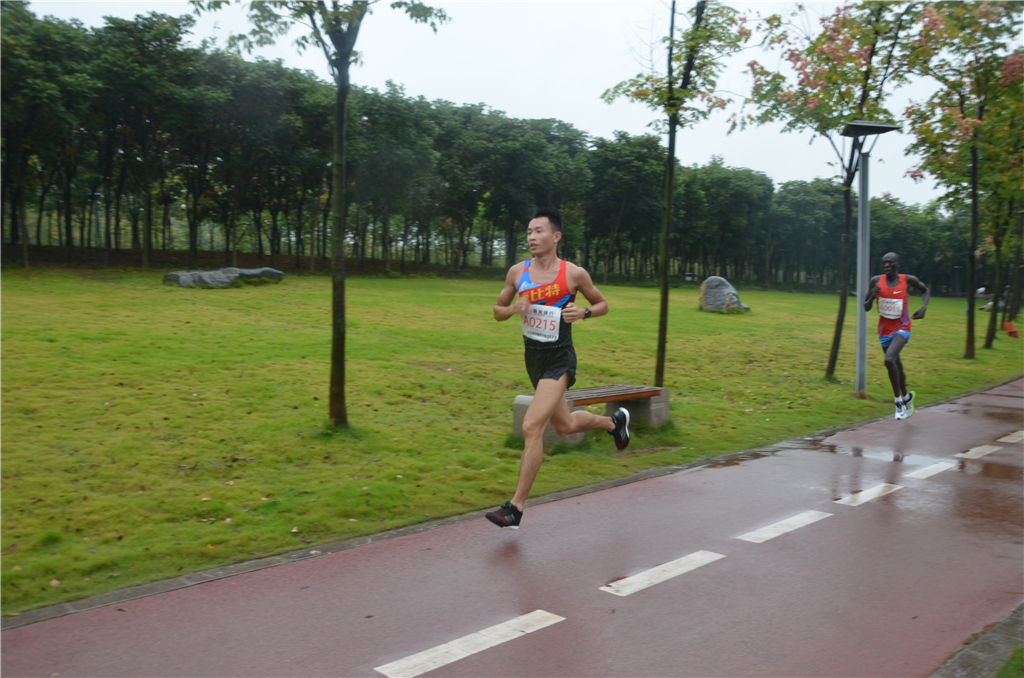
x=716 y=31
x=842 y=73
x=46 y=91
x=333 y=27
x=398 y=151
x=969 y=123
x=149 y=64
x=625 y=184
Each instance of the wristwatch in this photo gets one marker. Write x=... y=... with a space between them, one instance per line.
x=586 y=313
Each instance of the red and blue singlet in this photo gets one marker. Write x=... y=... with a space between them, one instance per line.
x=556 y=293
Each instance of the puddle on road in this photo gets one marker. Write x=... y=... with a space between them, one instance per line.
x=984 y=469
x=739 y=459
x=1010 y=415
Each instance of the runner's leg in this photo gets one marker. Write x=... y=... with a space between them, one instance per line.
x=549 y=395
x=567 y=422
x=894 y=366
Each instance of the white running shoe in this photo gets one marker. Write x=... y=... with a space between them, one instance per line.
x=901 y=411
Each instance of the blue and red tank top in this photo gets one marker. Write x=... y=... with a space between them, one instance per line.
x=554 y=293
x=893 y=307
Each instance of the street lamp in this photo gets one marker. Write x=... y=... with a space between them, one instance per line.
x=858 y=130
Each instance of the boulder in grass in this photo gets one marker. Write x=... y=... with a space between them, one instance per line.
x=265 y=273
x=717 y=294
x=225 y=277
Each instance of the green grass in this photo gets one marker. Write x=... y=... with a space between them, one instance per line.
x=139 y=417
x=1014 y=666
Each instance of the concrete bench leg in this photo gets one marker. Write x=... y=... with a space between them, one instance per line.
x=654 y=411
x=519 y=407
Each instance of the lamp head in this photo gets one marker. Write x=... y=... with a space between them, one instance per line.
x=865 y=128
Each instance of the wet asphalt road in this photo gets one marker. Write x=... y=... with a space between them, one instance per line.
x=890 y=586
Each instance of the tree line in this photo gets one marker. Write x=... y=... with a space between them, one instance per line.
x=126 y=137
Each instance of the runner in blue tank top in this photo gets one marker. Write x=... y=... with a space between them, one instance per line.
x=542 y=292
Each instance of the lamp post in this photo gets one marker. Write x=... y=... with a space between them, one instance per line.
x=859 y=130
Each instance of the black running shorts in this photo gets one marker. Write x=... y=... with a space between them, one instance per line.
x=551 y=363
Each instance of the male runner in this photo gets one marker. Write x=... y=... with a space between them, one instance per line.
x=544 y=291
x=894 y=323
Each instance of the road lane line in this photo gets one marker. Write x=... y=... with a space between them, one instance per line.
x=976 y=452
x=929 y=471
x=1014 y=437
x=869 y=494
x=656 y=575
x=783 y=526
x=439 y=656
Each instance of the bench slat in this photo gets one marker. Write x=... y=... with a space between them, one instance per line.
x=604 y=394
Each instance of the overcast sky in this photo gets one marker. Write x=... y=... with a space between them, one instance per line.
x=553 y=60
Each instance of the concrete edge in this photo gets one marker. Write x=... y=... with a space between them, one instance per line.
x=199 y=577
x=986 y=653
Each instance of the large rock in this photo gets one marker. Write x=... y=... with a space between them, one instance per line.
x=717 y=294
x=265 y=272
x=225 y=277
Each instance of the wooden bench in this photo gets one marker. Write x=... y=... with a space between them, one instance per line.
x=645 y=403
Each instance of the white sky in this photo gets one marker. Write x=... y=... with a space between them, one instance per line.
x=553 y=60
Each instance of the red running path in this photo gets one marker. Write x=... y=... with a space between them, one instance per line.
x=890 y=587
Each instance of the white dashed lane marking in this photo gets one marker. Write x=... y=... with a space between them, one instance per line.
x=868 y=495
x=442 y=655
x=784 y=526
x=929 y=471
x=656 y=575
x=976 y=452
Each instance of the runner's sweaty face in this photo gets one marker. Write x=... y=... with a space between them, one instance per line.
x=541 y=237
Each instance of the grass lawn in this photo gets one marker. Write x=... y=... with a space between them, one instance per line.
x=151 y=431
x=1014 y=666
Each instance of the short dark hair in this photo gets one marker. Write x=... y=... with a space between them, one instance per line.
x=553 y=216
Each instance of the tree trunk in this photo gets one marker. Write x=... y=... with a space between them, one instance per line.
x=147 y=201
x=611 y=241
x=405 y=238
x=385 y=241
x=993 y=319
x=844 y=253
x=299 y=248
x=343 y=44
x=24 y=232
x=337 y=409
x=69 y=233
x=1014 y=300
x=312 y=226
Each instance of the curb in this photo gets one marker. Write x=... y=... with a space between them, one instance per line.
x=193 y=578
x=987 y=654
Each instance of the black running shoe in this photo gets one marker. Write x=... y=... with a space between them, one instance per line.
x=621 y=432
x=506 y=516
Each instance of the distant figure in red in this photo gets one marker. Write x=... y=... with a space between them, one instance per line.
x=891 y=289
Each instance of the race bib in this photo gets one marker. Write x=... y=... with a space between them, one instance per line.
x=890 y=308
x=540 y=322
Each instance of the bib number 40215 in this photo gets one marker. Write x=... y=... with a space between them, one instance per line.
x=540 y=323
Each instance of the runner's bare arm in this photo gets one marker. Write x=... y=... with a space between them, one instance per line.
x=873 y=291
x=585 y=286
x=504 y=308
x=915 y=282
